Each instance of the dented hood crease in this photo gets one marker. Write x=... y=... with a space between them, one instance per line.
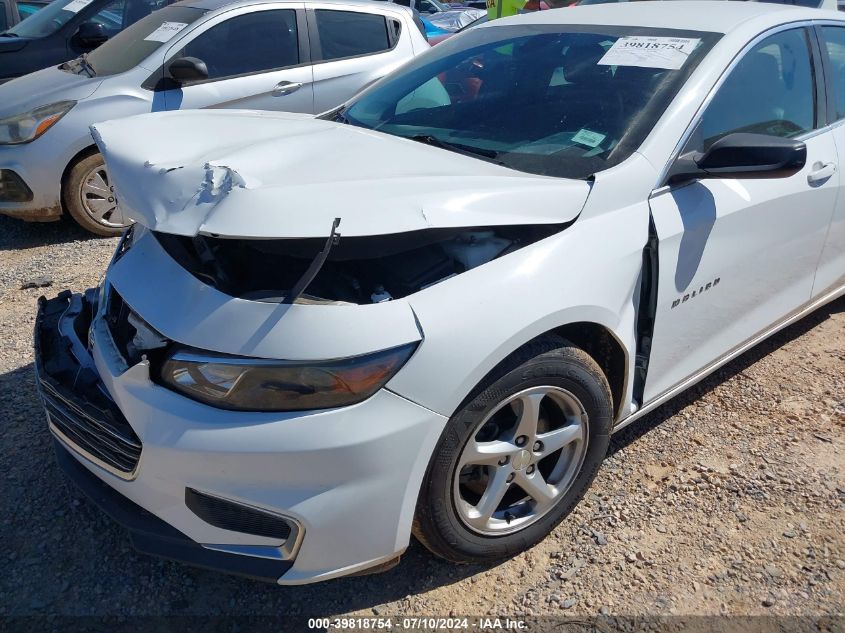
x=256 y=174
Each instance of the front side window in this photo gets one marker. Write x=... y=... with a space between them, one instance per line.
x=131 y=46
x=350 y=33
x=835 y=44
x=248 y=43
x=770 y=91
x=542 y=99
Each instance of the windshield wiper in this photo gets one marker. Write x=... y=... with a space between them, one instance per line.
x=83 y=61
x=9 y=34
x=456 y=147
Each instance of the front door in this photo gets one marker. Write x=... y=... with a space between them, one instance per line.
x=254 y=61
x=831 y=273
x=738 y=255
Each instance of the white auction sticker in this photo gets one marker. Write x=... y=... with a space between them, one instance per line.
x=650 y=52
x=76 y=5
x=165 y=32
x=588 y=138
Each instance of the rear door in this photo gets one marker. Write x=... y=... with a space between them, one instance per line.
x=351 y=48
x=831 y=272
x=738 y=255
x=257 y=58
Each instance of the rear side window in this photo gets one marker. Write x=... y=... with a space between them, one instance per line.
x=835 y=43
x=248 y=43
x=770 y=91
x=351 y=34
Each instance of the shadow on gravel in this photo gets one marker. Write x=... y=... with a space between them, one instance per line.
x=18 y=235
x=61 y=555
x=737 y=366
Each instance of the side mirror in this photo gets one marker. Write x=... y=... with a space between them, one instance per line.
x=188 y=69
x=742 y=155
x=91 y=34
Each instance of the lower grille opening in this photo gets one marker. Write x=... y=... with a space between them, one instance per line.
x=228 y=515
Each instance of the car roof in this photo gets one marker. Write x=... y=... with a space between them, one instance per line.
x=717 y=16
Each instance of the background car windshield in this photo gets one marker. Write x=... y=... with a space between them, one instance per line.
x=114 y=16
x=130 y=47
x=534 y=98
x=47 y=21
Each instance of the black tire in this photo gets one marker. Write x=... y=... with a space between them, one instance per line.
x=550 y=361
x=73 y=197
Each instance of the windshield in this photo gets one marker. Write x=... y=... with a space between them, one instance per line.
x=49 y=19
x=114 y=15
x=554 y=100
x=132 y=46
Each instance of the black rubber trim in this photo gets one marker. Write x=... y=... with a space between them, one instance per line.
x=151 y=535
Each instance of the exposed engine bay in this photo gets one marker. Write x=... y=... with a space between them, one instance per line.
x=356 y=270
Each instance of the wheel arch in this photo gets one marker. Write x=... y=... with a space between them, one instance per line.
x=606 y=349
x=596 y=339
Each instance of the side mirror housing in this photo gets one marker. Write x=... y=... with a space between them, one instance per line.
x=188 y=69
x=91 y=34
x=742 y=155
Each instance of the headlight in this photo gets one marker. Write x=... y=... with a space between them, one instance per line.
x=272 y=385
x=27 y=127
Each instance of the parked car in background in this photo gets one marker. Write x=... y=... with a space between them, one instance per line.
x=428 y=309
x=14 y=11
x=422 y=6
x=65 y=29
x=266 y=54
x=443 y=36
x=453 y=21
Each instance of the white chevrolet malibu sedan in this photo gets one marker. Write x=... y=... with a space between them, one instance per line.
x=426 y=311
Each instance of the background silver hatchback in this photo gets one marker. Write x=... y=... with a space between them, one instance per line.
x=266 y=54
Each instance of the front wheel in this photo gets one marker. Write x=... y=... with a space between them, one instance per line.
x=90 y=200
x=517 y=457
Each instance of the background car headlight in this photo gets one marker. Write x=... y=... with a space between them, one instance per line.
x=23 y=128
x=270 y=385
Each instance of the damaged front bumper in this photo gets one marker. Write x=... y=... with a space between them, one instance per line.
x=88 y=425
x=333 y=484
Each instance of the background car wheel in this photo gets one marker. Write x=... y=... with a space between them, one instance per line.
x=89 y=198
x=517 y=456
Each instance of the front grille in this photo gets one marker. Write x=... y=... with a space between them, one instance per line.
x=236 y=517
x=108 y=440
x=79 y=409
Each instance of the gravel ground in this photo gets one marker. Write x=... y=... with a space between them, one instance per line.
x=729 y=500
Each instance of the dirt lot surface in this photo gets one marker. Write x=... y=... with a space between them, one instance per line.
x=729 y=500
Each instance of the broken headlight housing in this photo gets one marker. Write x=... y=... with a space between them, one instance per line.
x=271 y=385
x=26 y=127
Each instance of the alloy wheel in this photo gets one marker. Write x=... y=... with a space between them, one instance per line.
x=521 y=459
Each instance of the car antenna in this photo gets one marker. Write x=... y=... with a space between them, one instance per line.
x=316 y=265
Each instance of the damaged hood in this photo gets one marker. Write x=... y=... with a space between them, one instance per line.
x=256 y=174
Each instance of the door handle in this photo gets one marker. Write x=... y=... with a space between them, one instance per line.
x=285 y=88
x=821 y=172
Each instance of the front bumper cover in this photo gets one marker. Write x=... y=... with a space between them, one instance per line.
x=57 y=355
x=348 y=478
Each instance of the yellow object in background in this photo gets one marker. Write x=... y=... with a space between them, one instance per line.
x=504 y=8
